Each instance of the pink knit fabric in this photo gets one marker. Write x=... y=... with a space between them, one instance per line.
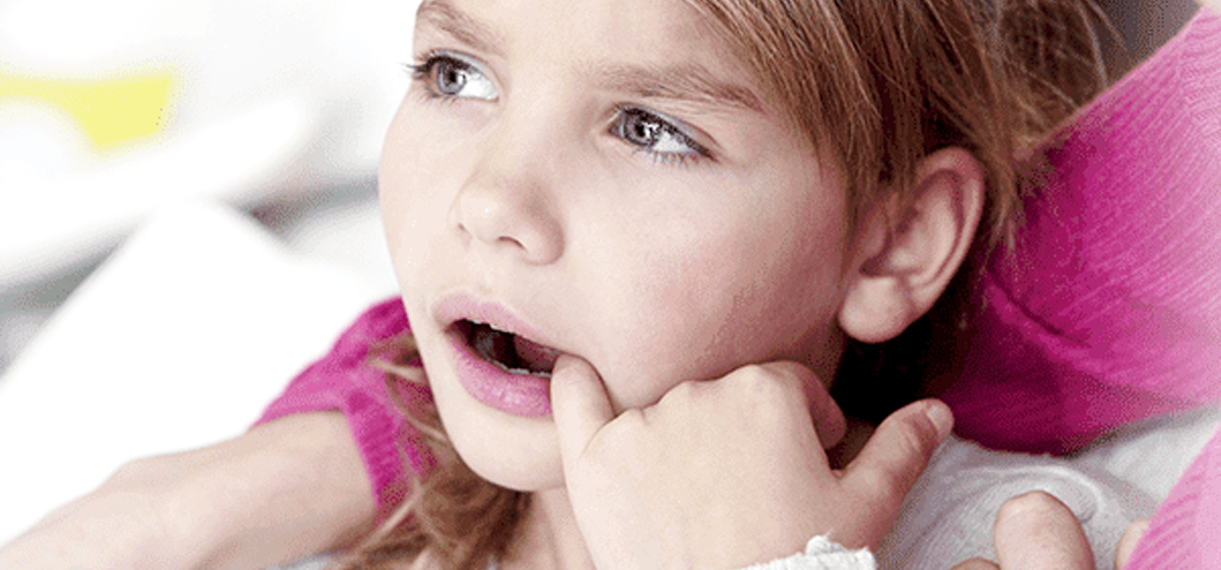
x=344 y=381
x=1108 y=311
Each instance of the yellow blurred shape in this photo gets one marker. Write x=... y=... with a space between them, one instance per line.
x=112 y=111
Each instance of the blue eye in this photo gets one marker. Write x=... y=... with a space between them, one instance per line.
x=450 y=76
x=655 y=135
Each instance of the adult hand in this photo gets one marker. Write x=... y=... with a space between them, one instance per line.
x=729 y=472
x=284 y=489
x=1035 y=531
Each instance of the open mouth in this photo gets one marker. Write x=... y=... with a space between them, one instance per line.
x=510 y=352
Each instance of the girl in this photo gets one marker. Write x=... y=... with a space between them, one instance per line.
x=634 y=251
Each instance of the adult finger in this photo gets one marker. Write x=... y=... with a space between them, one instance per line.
x=976 y=564
x=1127 y=543
x=579 y=405
x=1036 y=531
x=898 y=452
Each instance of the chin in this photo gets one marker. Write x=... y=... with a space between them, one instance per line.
x=515 y=452
x=512 y=452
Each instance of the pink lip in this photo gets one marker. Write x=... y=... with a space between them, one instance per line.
x=520 y=395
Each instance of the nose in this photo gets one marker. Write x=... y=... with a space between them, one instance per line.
x=508 y=205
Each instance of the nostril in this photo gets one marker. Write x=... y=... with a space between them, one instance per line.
x=508 y=219
x=484 y=216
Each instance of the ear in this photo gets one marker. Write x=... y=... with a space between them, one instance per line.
x=905 y=259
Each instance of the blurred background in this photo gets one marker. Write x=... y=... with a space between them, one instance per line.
x=111 y=110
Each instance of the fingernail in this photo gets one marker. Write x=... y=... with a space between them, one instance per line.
x=941 y=416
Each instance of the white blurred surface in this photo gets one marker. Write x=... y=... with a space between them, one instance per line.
x=179 y=340
x=272 y=100
x=52 y=225
x=274 y=103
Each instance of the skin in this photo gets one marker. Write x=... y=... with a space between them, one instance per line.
x=1036 y=531
x=299 y=480
x=529 y=201
x=678 y=360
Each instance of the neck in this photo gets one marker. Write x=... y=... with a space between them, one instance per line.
x=549 y=537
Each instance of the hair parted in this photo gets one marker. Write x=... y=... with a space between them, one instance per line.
x=879 y=84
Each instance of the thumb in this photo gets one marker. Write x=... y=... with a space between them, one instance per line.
x=579 y=404
x=829 y=421
x=1037 y=530
x=898 y=453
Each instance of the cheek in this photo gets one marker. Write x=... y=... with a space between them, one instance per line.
x=417 y=180
x=695 y=304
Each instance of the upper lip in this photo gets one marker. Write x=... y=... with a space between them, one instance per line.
x=458 y=307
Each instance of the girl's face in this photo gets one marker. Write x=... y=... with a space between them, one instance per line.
x=604 y=178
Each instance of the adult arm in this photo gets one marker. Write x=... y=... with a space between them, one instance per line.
x=308 y=477
x=284 y=489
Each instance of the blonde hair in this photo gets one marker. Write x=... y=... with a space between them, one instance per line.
x=879 y=84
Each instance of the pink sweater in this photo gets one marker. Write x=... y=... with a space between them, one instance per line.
x=1109 y=311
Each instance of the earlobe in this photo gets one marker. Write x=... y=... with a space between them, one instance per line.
x=909 y=253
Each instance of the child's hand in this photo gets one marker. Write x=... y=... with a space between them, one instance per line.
x=728 y=473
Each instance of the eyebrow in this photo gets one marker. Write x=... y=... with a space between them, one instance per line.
x=444 y=15
x=683 y=82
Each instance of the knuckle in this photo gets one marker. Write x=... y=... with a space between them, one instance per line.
x=682 y=393
x=769 y=382
x=918 y=441
x=686 y=389
x=630 y=419
x=747 y=375
x=616 y=438
x=880 y=480
x=916 y=436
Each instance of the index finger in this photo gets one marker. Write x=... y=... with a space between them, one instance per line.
x=579 y=405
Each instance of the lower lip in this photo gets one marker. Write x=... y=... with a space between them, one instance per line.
x=516 y=394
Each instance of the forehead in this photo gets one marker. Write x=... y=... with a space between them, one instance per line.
x=654 y=47
x=570 y=21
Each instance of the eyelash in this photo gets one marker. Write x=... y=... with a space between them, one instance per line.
x=422 y=72
x=622 y=112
